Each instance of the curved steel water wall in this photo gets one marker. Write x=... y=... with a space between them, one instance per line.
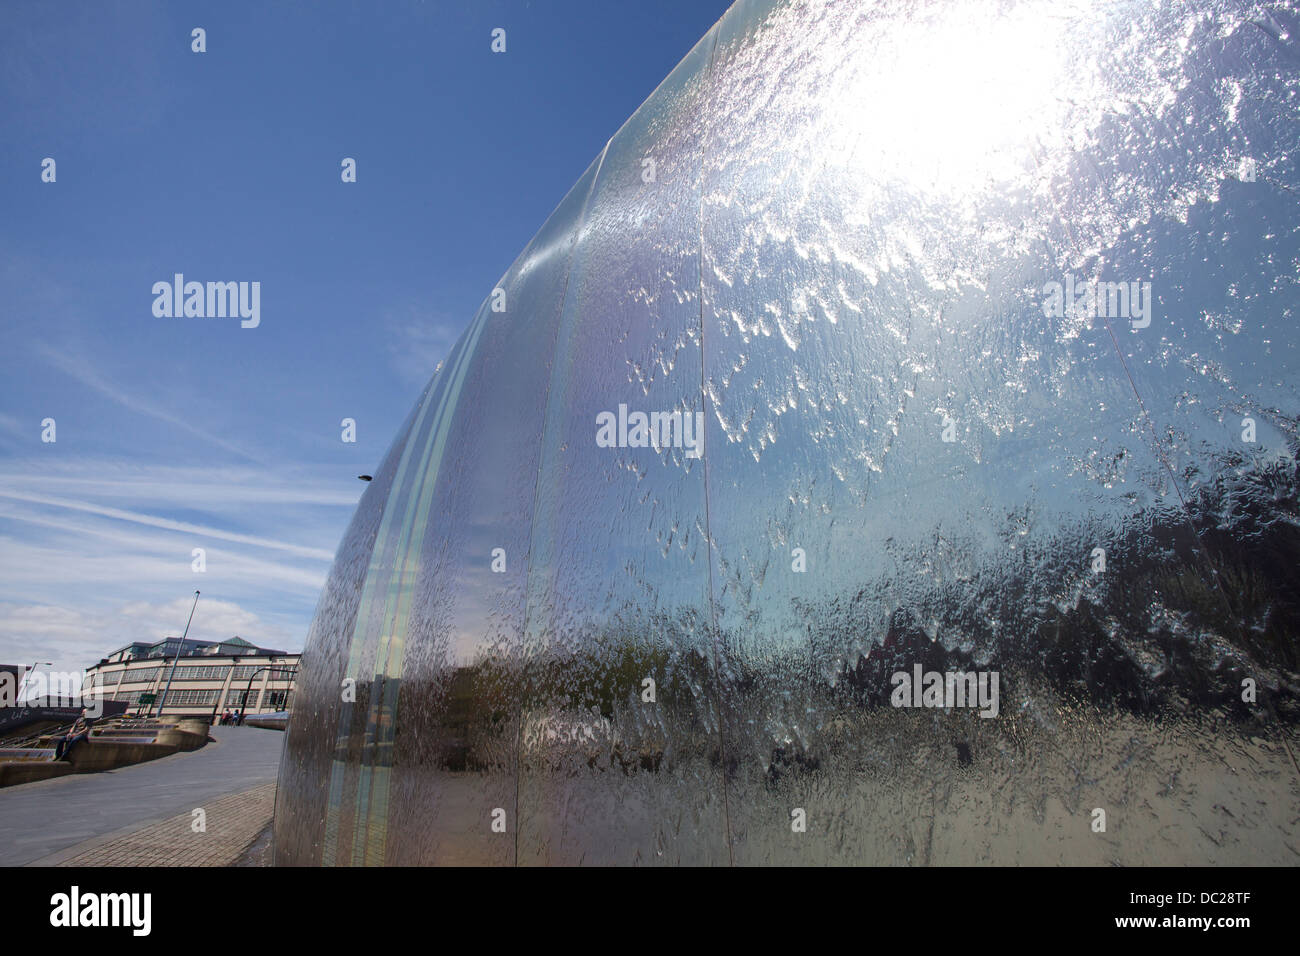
x=885 y=453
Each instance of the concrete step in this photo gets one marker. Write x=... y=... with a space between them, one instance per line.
x=26 y=753
x=14 y=772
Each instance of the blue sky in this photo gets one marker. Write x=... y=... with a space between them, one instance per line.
x=181 y=433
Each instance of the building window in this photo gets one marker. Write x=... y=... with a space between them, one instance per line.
x=215 y=672
x=276 y=700
x=189 y=698
x=236 y=698
x=142 y=675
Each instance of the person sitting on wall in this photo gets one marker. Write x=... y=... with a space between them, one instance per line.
x=79 y=731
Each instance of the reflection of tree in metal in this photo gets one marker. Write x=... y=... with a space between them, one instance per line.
x=915 y=459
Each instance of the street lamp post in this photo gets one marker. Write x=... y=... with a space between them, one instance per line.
x=175 y=660
x=272 y=668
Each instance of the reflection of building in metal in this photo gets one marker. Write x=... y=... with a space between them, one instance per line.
x=207 y=678
x=851 y=239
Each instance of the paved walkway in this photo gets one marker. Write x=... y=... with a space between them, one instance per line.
x=231 y=823
x=51 y=821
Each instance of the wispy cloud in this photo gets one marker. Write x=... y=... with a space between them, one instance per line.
x=177 y=485
x=83 y=539
x=78 y=368
x=74 y=639
x=150 y=560
x=418 y=339
x=166 y=523
x=9 y=425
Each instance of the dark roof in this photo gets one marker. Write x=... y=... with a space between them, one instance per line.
x=192 y=645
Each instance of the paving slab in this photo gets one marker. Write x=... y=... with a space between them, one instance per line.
x=41 y=820
x=229 y=825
